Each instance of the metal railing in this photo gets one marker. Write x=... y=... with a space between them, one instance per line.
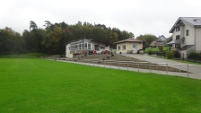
x=188 y=70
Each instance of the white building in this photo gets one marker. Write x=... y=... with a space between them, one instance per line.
x=86 y=46
x=186 y=35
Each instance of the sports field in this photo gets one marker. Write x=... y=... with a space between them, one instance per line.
x=33 y=85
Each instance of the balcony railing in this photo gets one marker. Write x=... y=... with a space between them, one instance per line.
x=180 y=41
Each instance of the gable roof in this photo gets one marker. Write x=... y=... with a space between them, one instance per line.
x=153 y=44
x=91 y=40
x=193 y=21
x=161 y=38
x=129 y=40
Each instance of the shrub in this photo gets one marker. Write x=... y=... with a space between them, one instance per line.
x=161 y=53
x=199 y=56
x=169 y=54
x=193 y=55
x=160 y=48
x=176 y=54
x=150 y=52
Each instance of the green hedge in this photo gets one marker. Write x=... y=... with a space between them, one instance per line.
x=194 y=55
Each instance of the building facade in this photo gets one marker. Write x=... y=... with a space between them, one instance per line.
x=186 y=34
x=130 y=45
x=86 y=46
x=160 y=42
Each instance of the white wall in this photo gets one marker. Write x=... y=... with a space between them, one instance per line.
x=175 y=33
x=182 y=31
x=68 y=55
x=198 y=39
x=183 y=54
x=189 y=40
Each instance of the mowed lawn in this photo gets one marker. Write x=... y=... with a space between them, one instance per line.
x=32 y=85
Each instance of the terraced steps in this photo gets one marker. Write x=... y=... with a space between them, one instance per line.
x=119 y=60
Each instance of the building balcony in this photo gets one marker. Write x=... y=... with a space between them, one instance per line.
x=180 y=41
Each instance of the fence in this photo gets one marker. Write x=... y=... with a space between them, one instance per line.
x=188 y=70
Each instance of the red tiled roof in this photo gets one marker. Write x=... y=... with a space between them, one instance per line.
x=129 y=40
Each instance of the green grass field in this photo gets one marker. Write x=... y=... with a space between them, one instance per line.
x=31 y=85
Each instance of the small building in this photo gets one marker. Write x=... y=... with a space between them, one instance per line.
x=186 y=33
x=160 y=42
x=86 y=46
x=153 y=44
x=129 y=45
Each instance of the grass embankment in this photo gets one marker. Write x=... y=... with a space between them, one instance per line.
x=43 y=86
x=155 y=49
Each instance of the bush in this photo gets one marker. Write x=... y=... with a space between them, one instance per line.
x=150 y=52
x=169 y=54
x=161 y=53
x=193 y=55
x=176 y=54
x=199 y=56
x=160 y=48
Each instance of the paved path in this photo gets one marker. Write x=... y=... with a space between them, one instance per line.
x=195 y=70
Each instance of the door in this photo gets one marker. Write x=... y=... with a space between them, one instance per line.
x=134 y=48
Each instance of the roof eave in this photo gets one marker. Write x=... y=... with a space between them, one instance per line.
x=128 y=41
x=173 y=27
x=197 y=26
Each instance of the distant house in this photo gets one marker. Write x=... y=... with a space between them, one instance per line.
x=129 y=45
x=153 y=44
x=186 y=35
x=160 y=42
x=86 y=46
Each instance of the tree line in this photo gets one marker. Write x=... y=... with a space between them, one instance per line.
x=53 y=38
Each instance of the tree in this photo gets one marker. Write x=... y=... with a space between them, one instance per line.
x=10 y=41
x=33 y=40
x=33 y=25
x=47 y=24
x=169 y=39
x=148 y=39
x=52 y=41
x=54 y=37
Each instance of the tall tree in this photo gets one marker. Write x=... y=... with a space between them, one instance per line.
x=10 y=41
x=33 y=40
x=54 y=37
x=48 y=24
x=33 y=25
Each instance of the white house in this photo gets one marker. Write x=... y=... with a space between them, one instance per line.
x=87 y=46
x=186 y=34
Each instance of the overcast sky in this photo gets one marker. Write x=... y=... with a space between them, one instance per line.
x=137 y=16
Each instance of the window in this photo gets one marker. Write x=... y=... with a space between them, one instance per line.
x=80 y=46
x=102 y=47
x=134 y=46
x=178 y=46
x=177 y=28
x=177 y=37
x=196 y=20
x=124 y=47
x=89 y=46
x=97 y=47
x=119 y=47
x=187 y=32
